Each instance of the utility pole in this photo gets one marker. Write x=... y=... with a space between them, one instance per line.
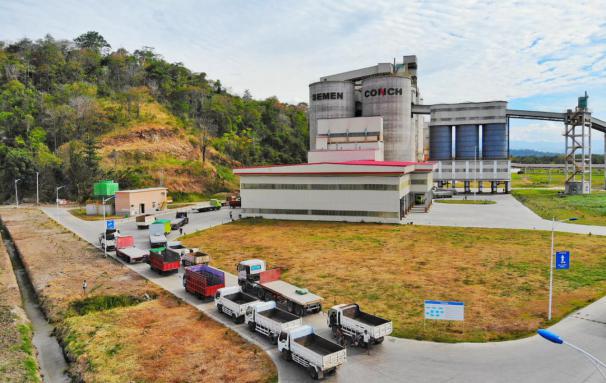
x=16 y=192
x=104 y=200
x=551 y=270
x=37 y=190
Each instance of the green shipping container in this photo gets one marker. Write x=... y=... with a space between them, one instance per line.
x=105 y=188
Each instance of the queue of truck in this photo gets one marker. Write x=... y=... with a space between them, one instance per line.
x=267 y=304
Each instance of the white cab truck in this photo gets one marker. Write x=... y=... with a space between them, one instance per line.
x=267 y=319
x=266 y=285
x=144 y=220
x=156 y=235
x=232 y=302
x=178 y=249
x=107 y=240
x=360 y=328
x=318 y=355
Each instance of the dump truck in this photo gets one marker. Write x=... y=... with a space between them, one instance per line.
x=203 y=281
x=180 y=220
x=214 y=204
x=177 y=248
x=195 y=257
x=107 y=240
x=234 y=200
x=163 y=262
x=265 y=318
x=157 y=238
x=318 y=355
x=266 y=285
x=125 y=249
x=232 y=302
x=360 y=328
x=144 y=220
x=167 y=224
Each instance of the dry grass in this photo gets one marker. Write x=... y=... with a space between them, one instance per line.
x=160 y=340
x=501 y=275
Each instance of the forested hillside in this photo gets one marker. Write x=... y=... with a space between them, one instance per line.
x=78 y=111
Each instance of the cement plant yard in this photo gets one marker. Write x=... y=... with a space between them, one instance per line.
x=389 y=270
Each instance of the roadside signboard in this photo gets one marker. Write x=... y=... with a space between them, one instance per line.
x=562 y=260
x=444 y=310
x=110 y=224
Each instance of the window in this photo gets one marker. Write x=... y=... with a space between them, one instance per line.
x=378 y=187
x=341 y=213
x=283 y=336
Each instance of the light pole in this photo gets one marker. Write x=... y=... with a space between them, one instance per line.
x=557 y=340
x=105 y=226
x=16 y=193
x=57 y=191
x=37 y=190
x=553 y=221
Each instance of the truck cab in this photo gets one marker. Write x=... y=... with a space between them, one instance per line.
x=107 y=240
x=250 y=270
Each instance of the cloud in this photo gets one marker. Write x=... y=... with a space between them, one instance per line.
x=467 y=50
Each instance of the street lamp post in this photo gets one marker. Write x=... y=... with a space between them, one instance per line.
x=105 y=225
x=57 y=192
x=553 y=221
x=554 y=338
x=16 y=192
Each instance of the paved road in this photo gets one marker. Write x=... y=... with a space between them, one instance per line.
x=507 y=213
x=396 y=360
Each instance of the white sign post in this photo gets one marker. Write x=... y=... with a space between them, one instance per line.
x=444 y=310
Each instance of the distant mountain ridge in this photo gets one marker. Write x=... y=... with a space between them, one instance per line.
x=531 y=153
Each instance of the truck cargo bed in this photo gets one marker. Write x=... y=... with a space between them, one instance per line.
x=290 y=292
x=363 y=317
x=240 y=298
x=279 y=316
x=318 y=345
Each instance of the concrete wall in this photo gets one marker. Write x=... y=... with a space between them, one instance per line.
x=470 y=170
x=387 y=201
x=129 y=202
x=344 y=155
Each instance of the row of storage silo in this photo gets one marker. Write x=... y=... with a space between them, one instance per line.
x=495 y=142
x=388 y=96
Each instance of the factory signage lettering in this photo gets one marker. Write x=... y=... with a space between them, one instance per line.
x=383 y=92
x=327 y=96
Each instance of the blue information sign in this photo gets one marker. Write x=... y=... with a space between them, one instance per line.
x=110 y=225
x=562 y=260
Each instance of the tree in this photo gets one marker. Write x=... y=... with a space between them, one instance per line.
x=91 y=40
x=247 y=95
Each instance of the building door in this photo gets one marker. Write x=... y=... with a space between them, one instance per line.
x=142 y=208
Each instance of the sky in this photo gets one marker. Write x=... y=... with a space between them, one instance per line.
x=538 y=55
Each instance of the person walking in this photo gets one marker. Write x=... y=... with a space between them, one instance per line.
x=366 y=340
x=231 y=218
x=84 y=287
x=181 y=231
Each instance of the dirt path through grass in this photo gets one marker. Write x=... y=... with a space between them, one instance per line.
x=501 y=275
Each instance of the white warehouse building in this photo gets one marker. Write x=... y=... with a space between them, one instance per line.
x=354 y=191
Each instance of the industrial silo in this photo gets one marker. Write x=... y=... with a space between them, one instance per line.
x=440 y=142
x=389 y=97
x=467 y=142
x=329 y=99
x=495 y=141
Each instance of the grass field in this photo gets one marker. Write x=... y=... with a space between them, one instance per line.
x=125 y=328
x=590 y=209
x=546 y=179
x=501 y=275
x=81 y=213
x=466 y=201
